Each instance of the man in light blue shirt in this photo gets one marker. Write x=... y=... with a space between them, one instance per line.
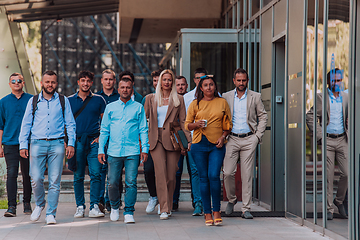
x=249 y=120
x=123 y=124
x=336 y=138
x=45 y=127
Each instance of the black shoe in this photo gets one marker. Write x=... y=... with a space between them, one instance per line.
x=341 y=209
x=11 y=212
x=108 y=207
x=175 y=206
x=27 y=208
x=330 y=216
x=247 y=215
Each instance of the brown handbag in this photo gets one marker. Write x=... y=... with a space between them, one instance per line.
x=175 y=137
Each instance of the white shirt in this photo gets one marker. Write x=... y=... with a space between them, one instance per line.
x=189 y=97
x=240 y=125
x=161 y=114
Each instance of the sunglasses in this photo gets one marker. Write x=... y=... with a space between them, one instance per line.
x=206 y=76
x=16 y=81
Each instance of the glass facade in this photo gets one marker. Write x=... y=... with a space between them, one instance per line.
x=288 y=48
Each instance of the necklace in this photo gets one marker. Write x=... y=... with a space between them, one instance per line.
x=166 y=98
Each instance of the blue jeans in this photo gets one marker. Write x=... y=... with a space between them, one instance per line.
x=89 y=155
x=209 y=159
x=52 y=153
x=116 y=164
x=194 y=179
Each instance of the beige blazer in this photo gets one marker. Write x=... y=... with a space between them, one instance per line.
x=310 y=114
x=255 y=111
x=173 y=114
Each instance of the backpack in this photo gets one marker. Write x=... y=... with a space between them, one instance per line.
x=62 y=103
x=35 y=101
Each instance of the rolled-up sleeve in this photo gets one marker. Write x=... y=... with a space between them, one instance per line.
x=104 y=131
x=190 y=116
x=26 y=126
x=70 y=123
x=143 y=131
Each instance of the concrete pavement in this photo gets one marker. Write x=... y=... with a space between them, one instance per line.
x=182 y=225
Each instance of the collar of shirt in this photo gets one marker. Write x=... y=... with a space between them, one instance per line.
x=54 y=96
x=243 y=96
x=113 y=92
x=13 y=95
x=127 y=103
x=90 y=95
x=331 y=95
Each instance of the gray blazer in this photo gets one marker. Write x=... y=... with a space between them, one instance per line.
x=310 y=113
x=255 y=111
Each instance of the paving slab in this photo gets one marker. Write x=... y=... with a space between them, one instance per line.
x=181 y=225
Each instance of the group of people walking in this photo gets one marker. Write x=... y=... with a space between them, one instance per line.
x=114 y=130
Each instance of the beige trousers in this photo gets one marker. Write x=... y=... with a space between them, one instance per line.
x=337 y=149
x=165 y=165
x=243 y=148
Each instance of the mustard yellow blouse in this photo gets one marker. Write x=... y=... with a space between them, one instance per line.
x=216 y=112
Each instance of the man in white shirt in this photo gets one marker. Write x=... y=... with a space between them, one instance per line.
x=190 y=96
x=249 y=123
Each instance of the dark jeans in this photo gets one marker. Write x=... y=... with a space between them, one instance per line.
x=209 y=159
x=12 y=158
x=149 y=173
x=89 y=155
x=116 y=165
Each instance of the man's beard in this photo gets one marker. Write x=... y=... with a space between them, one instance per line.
x=46 y=91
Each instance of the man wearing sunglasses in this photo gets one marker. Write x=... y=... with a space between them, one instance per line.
x=12 y=108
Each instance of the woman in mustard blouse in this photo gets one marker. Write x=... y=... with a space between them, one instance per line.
x=210 y=118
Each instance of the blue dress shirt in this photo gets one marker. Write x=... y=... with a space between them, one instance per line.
x=48 y=121
x=240 y=124
x=336 y=122
x=122 y=125
x=89 y=120
x=12 y=112
x=114 y=96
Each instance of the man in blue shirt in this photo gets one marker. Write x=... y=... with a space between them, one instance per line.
x=110 y=94
x=336 y=138
x=12 y=108
x=249 y=119
x=45 y=127
x=87 y=143
x=123 y=124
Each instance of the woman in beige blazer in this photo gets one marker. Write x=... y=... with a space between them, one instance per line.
x=162 y=108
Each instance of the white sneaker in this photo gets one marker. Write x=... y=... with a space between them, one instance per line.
x=80 y=212
x=164 y=216
x=159 y=210
x=114 y=215
x=50 y=219
x=153 y=201
x=36 y=213
x=128 y=218
x=95 y=212
x=170 y=214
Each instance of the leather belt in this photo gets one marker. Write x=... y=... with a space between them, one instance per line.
x=330 y=135
x=51 y=139
x=241 y=135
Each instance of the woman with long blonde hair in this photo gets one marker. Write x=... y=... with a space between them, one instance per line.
x=163 y=108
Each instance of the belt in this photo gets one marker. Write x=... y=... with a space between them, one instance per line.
x=335 y=135
x=51 y=139
x=241 y=135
